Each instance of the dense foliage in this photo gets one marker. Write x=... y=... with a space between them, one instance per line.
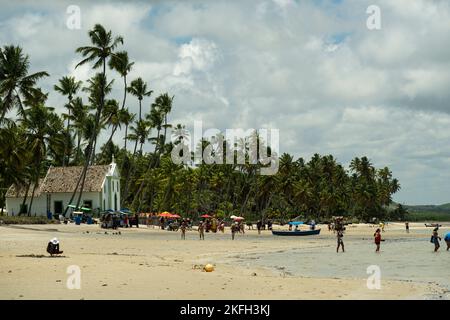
x=151 y=182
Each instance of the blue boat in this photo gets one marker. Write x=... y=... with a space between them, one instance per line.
x=296 y=233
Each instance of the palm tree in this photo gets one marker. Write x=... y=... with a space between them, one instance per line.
x=111 y=116
x=126 y=118
x=42 y=125
x=15 y=82
x=121 y=64
x=69 y=87
x=103 y=48
x=138 y=88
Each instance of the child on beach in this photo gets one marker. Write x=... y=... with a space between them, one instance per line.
x=447 y=240
x=435 y=239
x=183 y=230
x=378 y=240
x=340 y=242
x=201 y=230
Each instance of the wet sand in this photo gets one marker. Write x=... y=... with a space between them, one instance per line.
x=149 y=263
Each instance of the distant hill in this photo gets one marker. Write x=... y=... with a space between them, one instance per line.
x=443 y=208
x=429 y=212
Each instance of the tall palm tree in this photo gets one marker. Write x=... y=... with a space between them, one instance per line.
x=138 y=88
x=103 y=48
x=41 y=126
x=15 y=82
x=126 y=118
x=120 y=63
x=69 y=87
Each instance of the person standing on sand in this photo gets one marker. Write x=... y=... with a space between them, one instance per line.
x=258 y=226
x=201 y=230
x=435 y=239
x=407 y=226
x=340 y=242
x=378 y=240
x=234 y=228
x=447 y=240
x=183 y=230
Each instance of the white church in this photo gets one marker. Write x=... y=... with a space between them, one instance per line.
x=101 y=190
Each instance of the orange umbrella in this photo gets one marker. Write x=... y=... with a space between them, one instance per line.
x=206 y=216
x=175 y=216
x=165 y=214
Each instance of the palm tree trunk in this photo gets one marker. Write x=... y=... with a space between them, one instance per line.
x=94 y=134
x=25 y=197
x=126 y=133
x=67 y=140
x=32 y=197
x=124 y=91
x=140 y=109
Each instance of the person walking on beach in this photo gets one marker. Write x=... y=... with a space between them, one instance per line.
x=201 y=230
x=258 y=226
x=407 y=226
x=378 y=240
x=435 y=239
x=447 y=240
x=183 y=230
x=340 y=242
x=234 y=228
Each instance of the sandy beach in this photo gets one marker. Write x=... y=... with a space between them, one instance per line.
x=148 y=263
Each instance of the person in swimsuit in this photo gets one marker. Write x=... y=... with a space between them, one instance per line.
x=435 y=239
x=447 y=240
x=201 y=230
x=183 y=230
x=378 y=240
x=340 y=242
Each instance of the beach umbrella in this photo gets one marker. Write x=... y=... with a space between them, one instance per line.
x=175 y=216
x=85 y=209
x=165 y=214
x=206 y=216
x=72 y=206
x=233 y=217
x=238 y=218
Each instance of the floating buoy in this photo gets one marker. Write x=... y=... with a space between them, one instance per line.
x=209 y=268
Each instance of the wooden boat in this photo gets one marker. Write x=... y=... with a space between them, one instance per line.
x=296 y=233
x=432 y=225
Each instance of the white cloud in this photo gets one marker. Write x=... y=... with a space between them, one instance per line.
x=310 y=69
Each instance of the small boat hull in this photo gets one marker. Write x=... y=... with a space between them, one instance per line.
x=296 y=233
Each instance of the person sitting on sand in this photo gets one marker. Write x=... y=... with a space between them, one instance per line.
x=201 y=230
x=447 y=240
x=340 y=242
x=53 y=247
x=378 y=240
x=435 y=239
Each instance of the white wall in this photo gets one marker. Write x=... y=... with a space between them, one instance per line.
x=40 y=203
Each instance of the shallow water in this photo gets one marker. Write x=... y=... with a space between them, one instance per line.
x=406 y=259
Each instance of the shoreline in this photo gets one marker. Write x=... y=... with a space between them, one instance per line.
x=149 y=263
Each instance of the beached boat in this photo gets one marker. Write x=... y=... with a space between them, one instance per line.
x=296 y=233
x=433 y=225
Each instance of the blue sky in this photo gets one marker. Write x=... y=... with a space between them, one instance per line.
x=311 y=69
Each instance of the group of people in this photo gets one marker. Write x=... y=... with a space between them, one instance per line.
x=435 y=238
x=236 y=227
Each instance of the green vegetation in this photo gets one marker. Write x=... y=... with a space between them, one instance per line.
x=429 y=212
x=151 y=182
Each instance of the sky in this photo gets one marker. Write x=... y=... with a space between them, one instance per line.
x=312 y=69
